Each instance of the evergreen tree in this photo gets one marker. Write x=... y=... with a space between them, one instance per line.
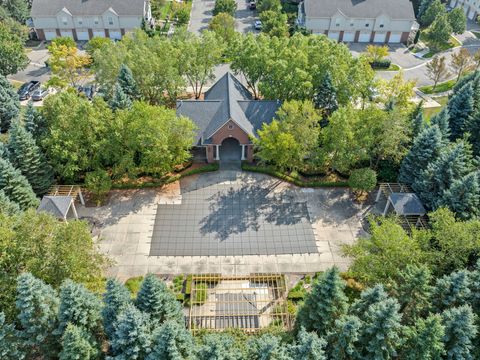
x=37 y=306
x=413 y=291
x=27 y=157
x=133 y=335
x=424 y=340
x=325 y=304
x=368 y=298
x=34 y=122
x=460 y=331
x=218 y=347
x=308 y=347
x=325 y=97
x=453 y=163
x=172 y=342
x=380 y=332
x=452 y=290
x=344 y=338
x=9 y=104
x=266 y=347
x=127 y=83
x=463 y=196
x=10 y=344
x=79 y=307
x=155 y=299
x=76 y=345
x=460 y=108
x=475 y=289
x=418 y=124
x=476 y=90
x=16 y=187
x=119 y=99
x=6 y=206
x=473 y=128
x=426 y=148
x=442 y=120
x=464 y=80
x=115 y=299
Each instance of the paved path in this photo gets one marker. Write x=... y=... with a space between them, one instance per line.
x=128 y=222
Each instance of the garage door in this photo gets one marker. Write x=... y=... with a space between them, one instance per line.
x=349 y=36
x=66 y=33
x=83 y=35
x=117 y=35
x=395 y=38
x=364 y=37
x=99 y=33
x=379 y=37
x=334 y=35
x=50 y=35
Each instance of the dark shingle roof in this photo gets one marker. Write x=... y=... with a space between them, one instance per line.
x=58 y=206
x=87 y=7
x=395 y=9
x=227 y=99
x=236 y=310
x=407 y=204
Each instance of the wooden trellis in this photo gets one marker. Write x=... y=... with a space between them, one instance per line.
x=67 y=190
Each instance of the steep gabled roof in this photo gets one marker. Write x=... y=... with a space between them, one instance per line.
x=367 y=9
x=227 y=100
x=58 y=206
x=87 y=7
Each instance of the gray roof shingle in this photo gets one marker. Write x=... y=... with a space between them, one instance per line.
x=227 y=99
x=407 y=204
x=368 y=9
x=58 y=206
x=87 y=7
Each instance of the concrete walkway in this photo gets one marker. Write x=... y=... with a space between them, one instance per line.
x=126 y=226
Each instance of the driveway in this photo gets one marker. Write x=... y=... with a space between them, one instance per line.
x=227 y=222
x=202 y=14
x=36 y=69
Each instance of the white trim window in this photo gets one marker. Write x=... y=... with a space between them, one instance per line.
x=110 y=20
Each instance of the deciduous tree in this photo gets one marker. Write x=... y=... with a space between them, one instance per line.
x=225 y=6
x=69 y=68
x=437 y=70
x=274 y=23
x=12 y=53
x=223 y=25
x=439 y=31
x=457 y=20
x=432 y=12
x=461 y=62
x=376 y=53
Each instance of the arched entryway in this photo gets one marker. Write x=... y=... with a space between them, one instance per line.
x=230 y=150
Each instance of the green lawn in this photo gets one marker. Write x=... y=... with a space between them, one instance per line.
x=450 y=44
x=477 y=34
x=392 y=67
x=441 y=87
x=429 y=112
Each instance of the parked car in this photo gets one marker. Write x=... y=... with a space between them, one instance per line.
x=88 y=91
x=40 y=94
x=253 y=5
x=258 y=25
x=27 y=89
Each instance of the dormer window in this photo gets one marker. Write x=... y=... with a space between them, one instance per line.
x=64 y=20
x=110 y=20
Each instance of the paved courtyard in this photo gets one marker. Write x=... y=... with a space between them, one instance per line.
x=228 y=222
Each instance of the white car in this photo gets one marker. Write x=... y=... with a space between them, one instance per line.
x=258 y=25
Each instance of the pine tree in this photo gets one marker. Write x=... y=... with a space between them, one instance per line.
x=413 y=291
x=460 y=108
x=266 y=347
x=155 y=299
x=76 y=345
x=27 y=157
x=308 y=347
x=380 y=332
x=133 y=335
x=16 y=187
x=368 y=298
x=115 y=299
x=442 y=120
x=463 y=81
x=127 y=83
x=418 y=124
x=325 y=304
x=460 y=332
x=476 y=90
x=475 y=289
x=452 y=290
x=34 y=122
x=325 y=97
x=426 y=148
x=172 y=342
x=79 y=307
x=463 y=196
x=119 y=99
x=343 y=340
x=37 y=306
x=453 y=163
x=473 y=128
x=9 y=104
x=218 y=347
x=424 y=340
x=6 y=206
x=10 y=344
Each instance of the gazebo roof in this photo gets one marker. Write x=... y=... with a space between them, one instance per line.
x=407 y=204
x=58 y=206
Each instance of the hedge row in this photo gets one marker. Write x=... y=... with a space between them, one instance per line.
x=381 y=64
x=294 y=180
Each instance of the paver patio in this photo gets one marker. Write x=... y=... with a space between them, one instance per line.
x=227 y=222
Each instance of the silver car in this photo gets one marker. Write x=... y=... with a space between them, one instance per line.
x=40 y=94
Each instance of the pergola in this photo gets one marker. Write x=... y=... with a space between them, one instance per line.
x=405 y=203
x=60 y=200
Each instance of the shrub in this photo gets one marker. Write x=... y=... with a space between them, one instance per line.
x=98 y=182
x=381 y=64
x=363 y=180
x=225 y=6
x=200 y=295
x=133 y=284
